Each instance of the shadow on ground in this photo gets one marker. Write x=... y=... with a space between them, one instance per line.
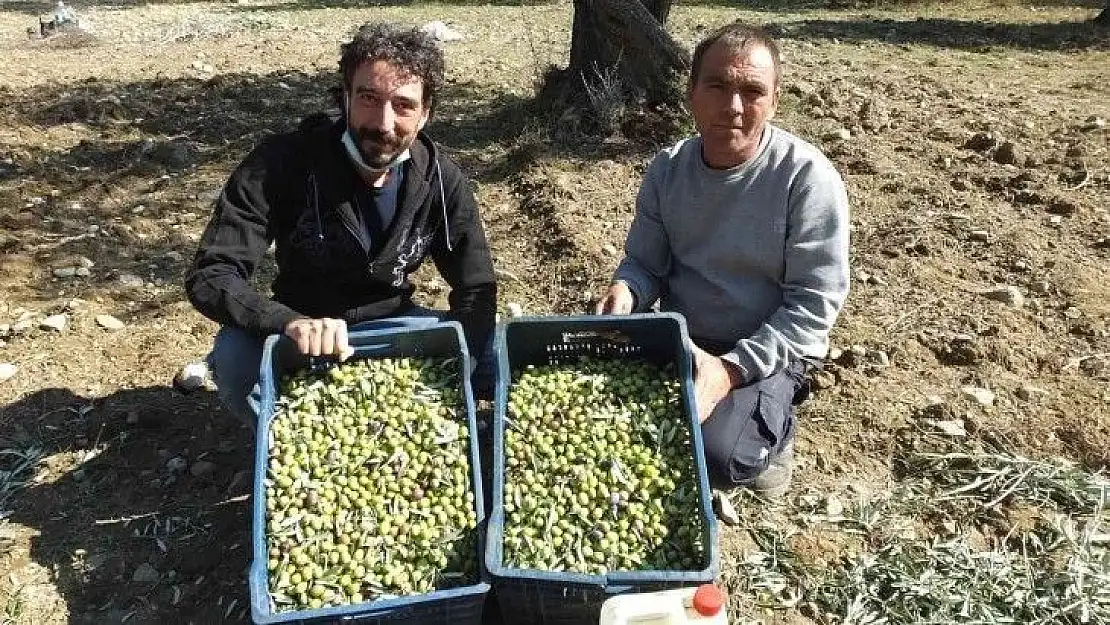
x=126 y=507
x=951 y=33
x=164 y=490
x=152 y=157
x=45 y=7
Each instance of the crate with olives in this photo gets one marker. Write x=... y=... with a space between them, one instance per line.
x=367 y=491
x=599 y=478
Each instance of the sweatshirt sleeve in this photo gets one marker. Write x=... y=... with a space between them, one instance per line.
x=815 y=282
x=237 y=236
x=647 y=252
x=462 y=257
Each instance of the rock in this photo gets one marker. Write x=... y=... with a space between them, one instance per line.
x=981 y=141
x=1006 y=154
x=1094 y=122
x=1062 y=207
x=83 y=272
x=833 y=506
x=441 y=32
x=841 y=134
x=108 y=322
x=21 y=326
x=823 y=379
x=611 y=250
x=174 y=154
x=1041 y=287
x=65 y=272
x=56 y=323
x=979 y=236
x=1009 y=295
x=130 y=281
x=7 y=371
x=855 y=355
x=1102 y=244
x=515 y=310
x=202 y=468
x=872 y=116
x=192 y=377
x=982 y=396
x=877 y=280
x=177 y=464
x=835 y=353
x=878 y=358
x=863 y=276
x=5 y=330
x=174 y=256
x=1028 y=196
x=1028 y=392
x=952 y=427
x=726 y=512
x=1056 y=221
x=146 y=574
x=85 y=262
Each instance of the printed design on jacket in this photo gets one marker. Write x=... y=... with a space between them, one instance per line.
x=309 y=240
x=409 y=250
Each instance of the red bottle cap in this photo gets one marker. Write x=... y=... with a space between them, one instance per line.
x=708 y=600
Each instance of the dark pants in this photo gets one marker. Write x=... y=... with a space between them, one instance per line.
x=751 y=425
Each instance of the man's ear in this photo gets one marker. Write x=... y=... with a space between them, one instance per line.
x=424 y=119
x=775 y=102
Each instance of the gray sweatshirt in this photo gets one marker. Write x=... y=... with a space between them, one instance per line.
x=755 y=256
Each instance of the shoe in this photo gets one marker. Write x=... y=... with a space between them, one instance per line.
x=775 y=479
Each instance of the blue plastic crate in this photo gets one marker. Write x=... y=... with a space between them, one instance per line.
x=534 y=597
x=461 y=605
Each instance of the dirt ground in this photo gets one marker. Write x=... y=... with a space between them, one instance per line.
x=972 y=137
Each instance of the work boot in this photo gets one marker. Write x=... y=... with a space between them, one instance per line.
x=775 y=479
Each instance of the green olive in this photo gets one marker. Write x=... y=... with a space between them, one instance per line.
x=599 y=470
x=354 y=453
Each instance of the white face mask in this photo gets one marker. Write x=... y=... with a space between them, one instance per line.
x=355 y=155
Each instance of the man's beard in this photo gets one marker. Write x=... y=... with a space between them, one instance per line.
x=377 y=148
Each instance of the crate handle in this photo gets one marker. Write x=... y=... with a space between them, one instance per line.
x=609 y=335
x=321 y=364
x=392 y=614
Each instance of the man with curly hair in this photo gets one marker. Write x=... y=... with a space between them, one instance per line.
x=353 y=206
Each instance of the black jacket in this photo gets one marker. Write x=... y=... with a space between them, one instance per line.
x=297 y=190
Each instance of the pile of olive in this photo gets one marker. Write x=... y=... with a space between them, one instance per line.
x=368 y=492
x=600 y=471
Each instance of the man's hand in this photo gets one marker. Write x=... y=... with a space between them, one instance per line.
x=713 y=379
x=320 y=337
x=617 y=301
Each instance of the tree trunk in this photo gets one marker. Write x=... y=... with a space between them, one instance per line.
x=619 y=54
x=659 y=9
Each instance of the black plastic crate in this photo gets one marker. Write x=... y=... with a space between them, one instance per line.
x=535 y=597
x=461 y=605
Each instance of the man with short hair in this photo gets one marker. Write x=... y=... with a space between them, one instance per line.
x=354 y=206
x=744 y=230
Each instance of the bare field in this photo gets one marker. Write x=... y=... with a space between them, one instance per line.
x=977 y=158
